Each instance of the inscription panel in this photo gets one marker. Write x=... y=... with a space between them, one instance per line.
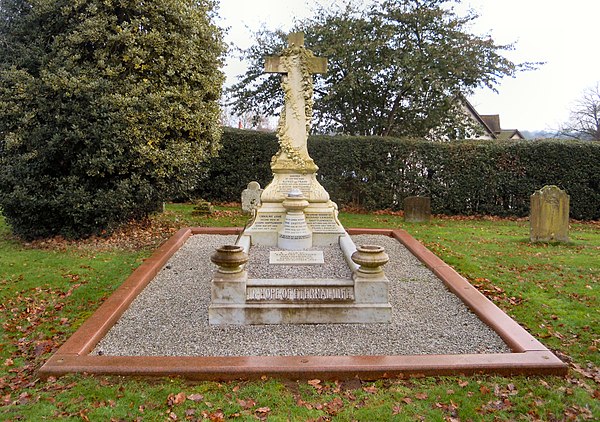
x=294 y=181
x=321 y=222
x=299 y=294
x=296 y=257
x=268 y=222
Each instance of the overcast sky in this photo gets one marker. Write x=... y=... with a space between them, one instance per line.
x=563 y=34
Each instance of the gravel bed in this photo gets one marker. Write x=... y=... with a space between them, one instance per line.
x=170 y=317
x=334 y=265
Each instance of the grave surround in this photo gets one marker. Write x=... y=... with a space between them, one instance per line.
x=528 y=357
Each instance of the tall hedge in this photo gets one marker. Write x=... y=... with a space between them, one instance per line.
x=466 y=177
x=108 y=107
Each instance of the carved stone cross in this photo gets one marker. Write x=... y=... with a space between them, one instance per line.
x=296 y=65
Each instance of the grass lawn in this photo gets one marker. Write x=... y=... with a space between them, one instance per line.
x=47 y=289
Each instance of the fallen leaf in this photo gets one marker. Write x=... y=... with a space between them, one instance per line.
x=301 y=402
x=262 y=412
x=195 y=397
x=216 y=416
x=315 y=383
x=334 y=406
x=175 y=399
x=463 y=383
x=407 y=400
x=246 y=404
x=371 y=389
x=421 y=396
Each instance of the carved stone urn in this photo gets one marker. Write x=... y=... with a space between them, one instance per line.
x=229 y=258
x=370 y=258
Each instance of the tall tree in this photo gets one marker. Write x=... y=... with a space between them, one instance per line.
x=395 y=67
x=109 y=107
x=584 y=122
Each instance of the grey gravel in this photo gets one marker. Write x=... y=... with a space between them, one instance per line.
x=170 y=317
x=334 y=265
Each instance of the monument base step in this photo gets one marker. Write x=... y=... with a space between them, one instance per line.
x=329 y=313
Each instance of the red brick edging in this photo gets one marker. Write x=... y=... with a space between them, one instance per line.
x=528 y=355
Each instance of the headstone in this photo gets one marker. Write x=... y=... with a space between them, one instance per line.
x=202 y=207
x=251 y=197
x=417 y=209
x=549 y=218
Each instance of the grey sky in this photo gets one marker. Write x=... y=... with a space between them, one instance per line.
x=561 y=33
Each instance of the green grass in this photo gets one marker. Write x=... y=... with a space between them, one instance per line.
x=48 y=290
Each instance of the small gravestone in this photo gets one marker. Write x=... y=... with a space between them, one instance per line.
x=202 y=207
x=549 y=218
x=417 y=209
x=251 y=197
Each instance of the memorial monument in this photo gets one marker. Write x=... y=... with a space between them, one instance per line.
x=292 y=167
x=295 y=218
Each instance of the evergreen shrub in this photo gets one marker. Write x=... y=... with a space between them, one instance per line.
x=107 y=109
x=462 y=177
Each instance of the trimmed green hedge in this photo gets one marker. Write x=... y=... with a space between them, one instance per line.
x=466 y=177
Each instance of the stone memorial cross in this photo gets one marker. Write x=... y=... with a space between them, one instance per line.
x=297 y=65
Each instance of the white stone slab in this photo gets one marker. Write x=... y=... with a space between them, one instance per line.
x=296 y=257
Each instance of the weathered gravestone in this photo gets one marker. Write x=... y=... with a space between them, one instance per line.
x=549 y=218
x=417 y=209
x=251 y=197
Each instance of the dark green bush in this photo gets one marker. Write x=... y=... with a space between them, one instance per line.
x=244 y=157
x=107 y=109
x=466 y=177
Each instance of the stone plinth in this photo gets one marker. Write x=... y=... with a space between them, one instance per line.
x=295 y=234
x=321 y=214
x=229 y=280
x=360 y=299
x=417 y=209
x=549 y=218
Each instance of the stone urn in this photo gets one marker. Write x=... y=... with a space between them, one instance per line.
x=370 y=258
x=229 y=258
x=295 y=201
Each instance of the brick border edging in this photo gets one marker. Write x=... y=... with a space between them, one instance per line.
x=529 y=356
